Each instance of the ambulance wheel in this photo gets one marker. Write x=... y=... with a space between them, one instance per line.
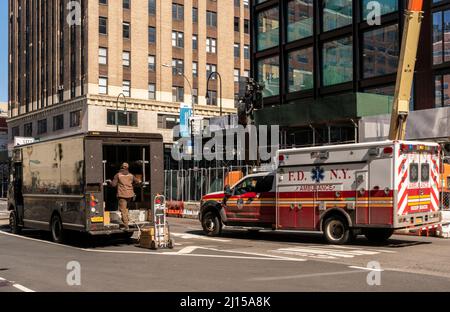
x=378 y=235
x=212 y=226
x=14 y=223
x=336 y=231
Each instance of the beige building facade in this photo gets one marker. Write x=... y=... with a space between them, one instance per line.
x=76 y=66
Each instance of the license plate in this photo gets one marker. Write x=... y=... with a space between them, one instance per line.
x=97 y=220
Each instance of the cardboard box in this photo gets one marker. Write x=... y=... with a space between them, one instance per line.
x=445 y=216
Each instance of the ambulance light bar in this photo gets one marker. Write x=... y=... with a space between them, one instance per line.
x=405 y=148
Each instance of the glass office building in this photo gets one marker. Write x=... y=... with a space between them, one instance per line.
x=327 y=63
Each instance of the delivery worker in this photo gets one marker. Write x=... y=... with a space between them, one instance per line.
x=124 y=181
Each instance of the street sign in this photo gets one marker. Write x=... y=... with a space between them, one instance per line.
x=185 y=115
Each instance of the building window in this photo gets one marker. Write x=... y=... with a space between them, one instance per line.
x=269 y=74
x=151 y=91
x=15 y=132
x=128 y=119
x=387 y=6
x=167 y=121
x=58 y=122
x=177 y=39
x=336 y=14
x=126 y=58
x=75 y=119
x=195 y=96
x=211 y=19
x=194 y=15
x=442 y=97
x=211 y=45
x=126 y=4
x=152 y=7
x=300 y=19
x=177 y=94
x=246 y=74
x=151 y=63
x=152 y=35
x=103 y=25
x=237 y=75
x=381 y=50
x=441 y=29
x=211 y=68
x=42 y=126
x=126 y=30
x=177 y=67
x=246 y=26
x=195 y=69
x=237 y=50
x=28 y=130
x=126 y=85
x=103 y=56
x=237 y=24
x=246 y=52
x=300 y=70
x=212 y=98
x=103 y=85
x=337 y=64
x=268 y=29
x=194 y=42
x=177 y=11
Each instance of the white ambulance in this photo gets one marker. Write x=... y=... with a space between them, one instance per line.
x=342 y=191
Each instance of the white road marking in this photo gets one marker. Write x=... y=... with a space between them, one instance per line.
x=320 y=252
x=18 y=286
x=288 y=277
x=38 y=240
x=193 y=236
x=366 y=269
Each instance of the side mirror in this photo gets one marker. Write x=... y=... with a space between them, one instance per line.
x=227 y=191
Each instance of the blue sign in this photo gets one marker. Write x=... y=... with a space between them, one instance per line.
x=317 y=174
x=185 y=116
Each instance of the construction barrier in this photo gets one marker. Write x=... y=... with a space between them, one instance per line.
x=191 y=210
x=175 y=209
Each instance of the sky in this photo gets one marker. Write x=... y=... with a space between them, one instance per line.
x=3 y=51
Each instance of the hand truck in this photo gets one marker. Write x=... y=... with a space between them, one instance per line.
x=160 y=232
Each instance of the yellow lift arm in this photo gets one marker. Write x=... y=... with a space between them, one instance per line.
x=406 y=67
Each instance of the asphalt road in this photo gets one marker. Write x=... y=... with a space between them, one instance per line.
x=237 y=261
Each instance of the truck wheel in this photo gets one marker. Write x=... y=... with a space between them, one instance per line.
x=336 y=231
x=14 y=223
x=212 y=226
x=378 y=235
x=57 y=229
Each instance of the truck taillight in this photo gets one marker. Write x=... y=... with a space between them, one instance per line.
x=93 y=202
x=388 y=150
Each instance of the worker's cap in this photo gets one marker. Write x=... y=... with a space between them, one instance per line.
x=125 y=166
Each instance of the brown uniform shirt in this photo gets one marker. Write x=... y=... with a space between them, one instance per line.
x=124 y=181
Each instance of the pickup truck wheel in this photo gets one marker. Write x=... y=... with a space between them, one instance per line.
x=14 y=223
x=378 y=235
x=212 y=226
x=336 y=231
x=57 y=229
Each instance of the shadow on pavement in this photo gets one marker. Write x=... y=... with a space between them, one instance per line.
x=79 y=240
x=310 y=238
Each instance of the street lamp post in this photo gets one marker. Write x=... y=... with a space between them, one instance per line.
x=117 y=108
x=192 y=101
x=207 y=89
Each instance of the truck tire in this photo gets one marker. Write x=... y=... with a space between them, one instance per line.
x=57 y=230
x=378 y=235
x=14 y=223
x=336 y=231
x=212 y=226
